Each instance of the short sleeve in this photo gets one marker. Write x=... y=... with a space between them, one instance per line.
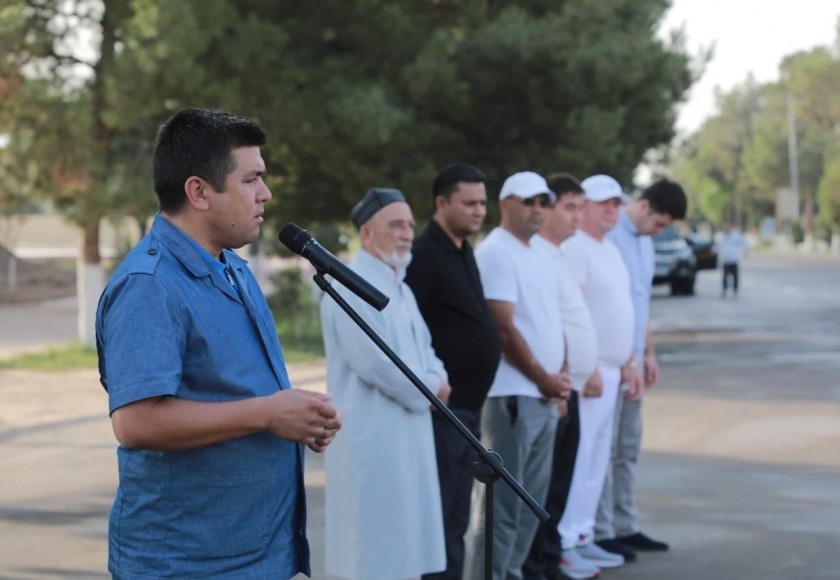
x=140 y=340
x=498 y=272
x=421 y=273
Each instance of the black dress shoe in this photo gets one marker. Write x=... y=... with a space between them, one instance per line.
x=554 y=573
x=643 y=543
x=615 y=547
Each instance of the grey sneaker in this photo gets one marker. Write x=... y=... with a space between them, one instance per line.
x=574 y=565
x=598 y=556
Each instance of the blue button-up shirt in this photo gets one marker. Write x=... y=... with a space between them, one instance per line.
x=640 y=259
x=171 y=324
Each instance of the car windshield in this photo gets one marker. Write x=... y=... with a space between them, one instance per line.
x=668 y=234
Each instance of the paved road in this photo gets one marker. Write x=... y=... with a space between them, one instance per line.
x=30 y=326
x=741 y=469
x=741 y=462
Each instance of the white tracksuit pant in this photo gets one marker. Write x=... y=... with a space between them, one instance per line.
x=597 y=416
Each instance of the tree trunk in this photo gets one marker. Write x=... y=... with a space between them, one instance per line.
x=90 y=281
x=90 y=277
x=90 y=241
x=142 y=226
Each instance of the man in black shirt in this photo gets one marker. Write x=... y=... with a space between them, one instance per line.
x=444 y=278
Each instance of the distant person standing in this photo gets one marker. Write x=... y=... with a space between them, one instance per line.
x=444 y=278
x=659 y=205
x=731 y=248
x=520 y=415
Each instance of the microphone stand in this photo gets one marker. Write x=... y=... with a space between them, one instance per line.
x=489 y=466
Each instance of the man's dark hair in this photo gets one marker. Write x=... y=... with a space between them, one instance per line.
x=666 y=197
x=448 y=178
x=562 y=183
x=198 y=142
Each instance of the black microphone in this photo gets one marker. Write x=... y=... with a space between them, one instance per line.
x=299 y=241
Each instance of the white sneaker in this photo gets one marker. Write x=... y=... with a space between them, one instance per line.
x=595 y=554
x=574 y=565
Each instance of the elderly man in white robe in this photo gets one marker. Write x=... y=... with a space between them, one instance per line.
x=383 y=509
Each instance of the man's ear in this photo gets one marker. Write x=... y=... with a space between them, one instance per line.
x=364 y=233
x=197 y=192
x=440 y=201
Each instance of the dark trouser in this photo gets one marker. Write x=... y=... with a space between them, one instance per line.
x=730 y=269
x=546 y=550
x=455 y=457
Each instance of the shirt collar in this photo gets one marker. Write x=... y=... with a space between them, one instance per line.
x=194 y=258
x=625 y=222
x=545 y=243
x=439 y=234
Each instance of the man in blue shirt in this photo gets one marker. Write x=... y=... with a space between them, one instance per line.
x=730 y=248
x=659 y=205
x=210 y=431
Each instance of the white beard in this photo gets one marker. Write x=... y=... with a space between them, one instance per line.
x=395 y=260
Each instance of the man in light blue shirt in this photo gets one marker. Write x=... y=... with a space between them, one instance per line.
x=210 y=431
x=659 y=205
x=730 y=249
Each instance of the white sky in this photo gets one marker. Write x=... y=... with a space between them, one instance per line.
x=749 y=36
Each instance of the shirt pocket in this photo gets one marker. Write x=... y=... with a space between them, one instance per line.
x=213 y=520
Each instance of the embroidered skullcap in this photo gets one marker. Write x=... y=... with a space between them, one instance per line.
x=374 y=200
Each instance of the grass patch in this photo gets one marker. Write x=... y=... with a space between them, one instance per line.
x=297 y=347
x=55 y=359
x=294 y=355
x=303 y=344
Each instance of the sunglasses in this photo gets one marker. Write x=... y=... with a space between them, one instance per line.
x=529 y=202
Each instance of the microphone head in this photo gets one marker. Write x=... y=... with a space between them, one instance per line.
x=294 y=237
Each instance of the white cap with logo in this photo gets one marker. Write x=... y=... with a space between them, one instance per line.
x=601 y=188
x=526 y=184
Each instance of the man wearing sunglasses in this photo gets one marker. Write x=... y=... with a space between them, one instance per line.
x=520 y=416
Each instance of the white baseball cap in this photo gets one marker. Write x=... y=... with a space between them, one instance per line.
x=601 y=188
x=526 y=184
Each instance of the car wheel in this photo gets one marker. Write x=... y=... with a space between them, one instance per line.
x=682 y=287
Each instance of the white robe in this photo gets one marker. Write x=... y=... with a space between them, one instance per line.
x=383 y=510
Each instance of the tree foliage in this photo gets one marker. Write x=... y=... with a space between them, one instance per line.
x=739 y=158
x=353 y=93
x=570 y=85
x=716 y=172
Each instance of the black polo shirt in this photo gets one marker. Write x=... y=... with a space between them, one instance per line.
x=446 y=283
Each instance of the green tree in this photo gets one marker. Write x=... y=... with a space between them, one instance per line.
x=94 y=78
x=813 y=78
x=739 y=158
x=828 y=194
x=712 y=160
x=572 y=85
x=353 y=93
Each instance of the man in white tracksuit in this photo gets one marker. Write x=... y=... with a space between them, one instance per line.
x=599 y=269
